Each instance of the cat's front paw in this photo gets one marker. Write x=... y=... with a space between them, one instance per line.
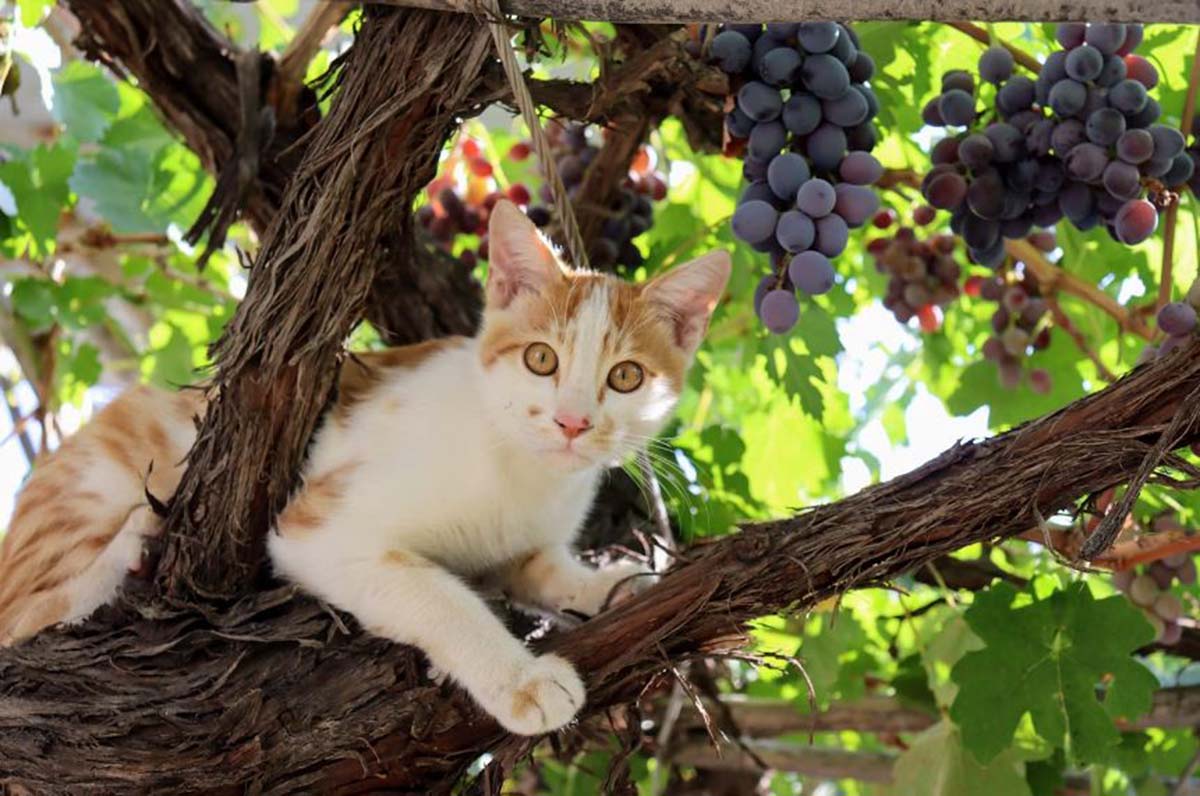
x=546 y=696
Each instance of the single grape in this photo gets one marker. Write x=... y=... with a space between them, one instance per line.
x=766 y=139
x=1086 y=162
x=976 y=151
x=1007 y=141
x=1171 y=634
x=861 y=137
x=759 y=101
x=779 y=311
x=1105 y=37
x=1105 y=126
x=980 y=233
x=765 y=285
x=855 y=203
x=1076 y=201
x=816 y=198
x=957 y=107
x=1147 y=115
x=1157 y=166
x=754 y=221
x=1180 y=172
x=945 y=152
x=1122 y=180
x=924 y=215
x=1084 y=63
x=1122 y=578
x=818 y=37
x=844 y=48
x=1135 y=221
x=1187 y=573
x=847 y=110
x=1139 y=69
x=825 y=76
x=738 y=123
x=786 y=174
x=860 y=168
x=1039 y=137
x=795 y=231
x=946 y=191
x=802 y=113
x=782 y=30
x=930 y=113
x=730 y=50
x=1143 y=591
x=862 y=68
x=1114 y=71
x=996 y=64
x=868 y=94
x=1015 y=95
x=780 y=66
x=1067 y=135
x=1135 y=146
x=1071 y=34
x=833 y=233
x=1168 y=607
x=985 y=195
x=1177 y=318
x=1176 y=560
x=959 y=79
x=1067 y=97
x=1168 y=142
x=811 y=272
x=826 y=146
x=1128 y=96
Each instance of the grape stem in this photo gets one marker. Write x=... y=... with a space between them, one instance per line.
x=1189 y=110
x=1063 y=321
x=1052 y=278
x=1140 y=550
x=979 y=34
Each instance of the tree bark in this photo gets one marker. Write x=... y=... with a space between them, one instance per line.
x=754 y=11
x=273 y=693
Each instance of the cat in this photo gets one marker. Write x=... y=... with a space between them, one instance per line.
x=439 y=462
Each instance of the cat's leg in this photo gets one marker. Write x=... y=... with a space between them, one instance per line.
x=408 y=599
x=554 y=578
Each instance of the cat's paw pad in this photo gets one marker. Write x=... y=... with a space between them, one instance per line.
x=546 y=696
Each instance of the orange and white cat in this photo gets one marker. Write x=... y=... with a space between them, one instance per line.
x=441 y=461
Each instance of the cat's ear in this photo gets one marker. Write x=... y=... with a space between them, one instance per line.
x=689 y=294
x=519 y=258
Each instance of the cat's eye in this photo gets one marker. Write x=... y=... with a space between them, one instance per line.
x=541 y=359
x=625 y=376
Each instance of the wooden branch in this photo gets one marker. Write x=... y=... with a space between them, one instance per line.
x=304 y=46
x=308 y=706
x=1052 y=278
x=675 y=11
x=344 y=213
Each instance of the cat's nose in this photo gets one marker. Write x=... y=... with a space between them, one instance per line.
x=572 y=425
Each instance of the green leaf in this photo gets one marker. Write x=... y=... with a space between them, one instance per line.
x=794 y=372
x=32 y=11
x=85 y=100
x=816 y=328
x=1047 y=658
x=38 y=183
x=936 y=764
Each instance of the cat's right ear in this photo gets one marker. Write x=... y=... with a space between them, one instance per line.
x=519 y=259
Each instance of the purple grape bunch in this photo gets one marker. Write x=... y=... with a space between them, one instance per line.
x=1020 y=327
x=1187 y=174
x=801 y=115
x=1081 y=142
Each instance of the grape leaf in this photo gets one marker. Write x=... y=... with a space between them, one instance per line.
x=937 y=764
x=1047 y=658
x=795 y=373
x=85 y=101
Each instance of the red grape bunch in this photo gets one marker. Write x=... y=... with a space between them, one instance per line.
x=801 y=116
x=1081 y=142
x=923 y=274
x=462 y=196
x=1020 y=326
x=1149 y=588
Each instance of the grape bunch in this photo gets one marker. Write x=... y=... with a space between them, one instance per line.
x=800 y=115
x=1177 y=320
x=1079 y=142
x=1149 y=589
x=463 y=194
x=922 y=274
x=1020 y=326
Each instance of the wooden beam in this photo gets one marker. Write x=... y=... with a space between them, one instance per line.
x=677 y=11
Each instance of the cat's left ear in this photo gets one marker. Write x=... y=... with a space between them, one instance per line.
x=689 y=294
